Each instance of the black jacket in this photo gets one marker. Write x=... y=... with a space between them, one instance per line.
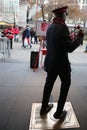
x=59 y=44
x=26 y=33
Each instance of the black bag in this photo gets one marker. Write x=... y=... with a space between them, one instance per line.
x=34 y=59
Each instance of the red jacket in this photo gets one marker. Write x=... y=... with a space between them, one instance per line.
x=9 y=33
x=16 y=30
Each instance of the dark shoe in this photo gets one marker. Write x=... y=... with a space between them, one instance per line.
x=46 y=110
x=30 y=46
x=57 y=118
x=60 y=116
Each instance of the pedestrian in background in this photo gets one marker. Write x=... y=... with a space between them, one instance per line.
x=16 y=33
x=35 y=36
x=59 y=44
x=26 y=35
x=32 y=34
x=9 y=33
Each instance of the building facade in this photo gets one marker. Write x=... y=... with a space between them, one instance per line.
x=9 y=11
x=13 y=11
x=82 y=4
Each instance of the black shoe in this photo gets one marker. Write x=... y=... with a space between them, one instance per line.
x=46 y=110
x=60 y=116
x=30 y=46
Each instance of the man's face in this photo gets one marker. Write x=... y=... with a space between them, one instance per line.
x=64 y=15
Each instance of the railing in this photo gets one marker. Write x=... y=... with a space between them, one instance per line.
x=5 y=47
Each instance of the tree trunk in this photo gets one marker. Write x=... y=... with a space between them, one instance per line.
x=42 y=8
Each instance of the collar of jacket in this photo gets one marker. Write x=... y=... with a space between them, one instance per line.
x=59 y=20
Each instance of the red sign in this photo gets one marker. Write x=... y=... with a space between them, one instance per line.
x=41 y=28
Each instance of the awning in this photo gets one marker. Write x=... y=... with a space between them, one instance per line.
x=3 y=23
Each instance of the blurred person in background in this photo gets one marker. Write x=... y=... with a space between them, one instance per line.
x=9 y=33
x=16 y=33
x=32 y=34
x=26 y=35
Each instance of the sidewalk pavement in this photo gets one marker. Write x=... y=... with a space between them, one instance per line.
x=20 y=87
x=20 y=54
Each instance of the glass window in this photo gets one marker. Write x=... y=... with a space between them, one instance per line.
x=79 y=1
x=83 y=1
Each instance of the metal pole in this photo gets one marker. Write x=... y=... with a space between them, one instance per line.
x=14 y=19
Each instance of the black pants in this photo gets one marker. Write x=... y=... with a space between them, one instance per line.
x=10 y=41
x=65 y=78
x=31 y=39
x=35 y=40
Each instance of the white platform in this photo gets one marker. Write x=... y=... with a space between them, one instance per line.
x=46 y=123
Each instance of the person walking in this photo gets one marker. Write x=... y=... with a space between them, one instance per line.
x=35 y=37
x=16 y=33
x=32 y=34
x=59 y=44
x=26 y=35
x=9 y=33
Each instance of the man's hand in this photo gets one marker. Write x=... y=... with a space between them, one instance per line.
x=80 y=34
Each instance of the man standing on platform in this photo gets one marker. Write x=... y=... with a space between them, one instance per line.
x=59 y=44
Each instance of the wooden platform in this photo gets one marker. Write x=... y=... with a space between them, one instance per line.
x=46 y=123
